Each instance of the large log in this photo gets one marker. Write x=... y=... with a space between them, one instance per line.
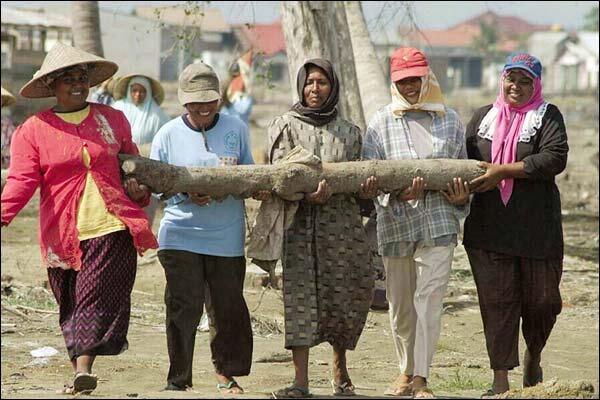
x=286 y=180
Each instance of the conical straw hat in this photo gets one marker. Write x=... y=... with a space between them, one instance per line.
x=63 y=56
x=120 y=90
x=7 y=98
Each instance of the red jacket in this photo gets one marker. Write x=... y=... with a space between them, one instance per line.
x=47 y=152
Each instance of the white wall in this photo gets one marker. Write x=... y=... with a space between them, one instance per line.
x=132 y=42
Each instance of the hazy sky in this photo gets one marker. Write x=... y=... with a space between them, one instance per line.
x=429 y=14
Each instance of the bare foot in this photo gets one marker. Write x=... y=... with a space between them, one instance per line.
x=500 y=384
x=532 y=371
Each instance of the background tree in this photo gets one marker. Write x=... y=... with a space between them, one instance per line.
x=372 y=85
x=591 y=20
x=86 y=27
x=319 y=29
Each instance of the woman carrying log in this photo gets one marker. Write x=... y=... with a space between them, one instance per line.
x=513 y=236
x=327 y=274
x=416 y=230
x=90 y=225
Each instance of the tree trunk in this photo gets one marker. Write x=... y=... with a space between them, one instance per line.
x=286 y=180
x=86 y=27
x=319 y=29
x=374 y=90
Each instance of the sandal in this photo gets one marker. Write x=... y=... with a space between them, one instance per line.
x=292 y=392
x=423 y=393
x=343 y=389
x=84 y=383
x=229 y=387
x=402 y=390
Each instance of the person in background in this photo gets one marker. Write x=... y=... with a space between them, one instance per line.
x=7 y=127
x=202 y=239
x=103 y=94
x=327 y=273
x=140 y=97
x=237 y=93
x=416 y=229
x=91 y=224
x=513 y=235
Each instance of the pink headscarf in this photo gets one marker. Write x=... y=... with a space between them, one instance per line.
x=506 y=135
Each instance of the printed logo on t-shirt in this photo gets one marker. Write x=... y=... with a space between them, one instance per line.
x=224 y=160
x=231 y=141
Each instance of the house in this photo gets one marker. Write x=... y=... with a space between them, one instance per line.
x=268 y=43
x=453 y=54
x=132 y=42
x=569 y=60
x=26 y=37
x=187 y=34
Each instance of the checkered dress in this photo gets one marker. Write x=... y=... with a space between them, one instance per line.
x=328 y=278
x=388 y=138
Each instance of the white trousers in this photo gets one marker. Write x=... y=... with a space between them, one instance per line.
x=415 y=288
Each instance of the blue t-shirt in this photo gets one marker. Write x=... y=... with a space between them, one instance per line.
x=217 y=229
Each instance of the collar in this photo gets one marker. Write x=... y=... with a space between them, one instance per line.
x=208 y=128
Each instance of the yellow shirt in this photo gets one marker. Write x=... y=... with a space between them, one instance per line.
x=93 y=219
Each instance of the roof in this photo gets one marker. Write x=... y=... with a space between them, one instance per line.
x=506 y=24
x=545 y=45
x=209 y=19
x=28 y=17
x=590 y=41
x=463 y=34
x=266 y=38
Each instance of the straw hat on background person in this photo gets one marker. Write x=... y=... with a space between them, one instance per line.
x=120 y=88
x=7 y=98
x=62 y=56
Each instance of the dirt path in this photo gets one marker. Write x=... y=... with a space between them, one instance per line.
x=460 y=367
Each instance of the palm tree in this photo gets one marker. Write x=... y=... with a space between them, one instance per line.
x=86 y=27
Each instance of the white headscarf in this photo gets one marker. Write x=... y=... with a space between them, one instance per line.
x=145 y=119
x=430 y=98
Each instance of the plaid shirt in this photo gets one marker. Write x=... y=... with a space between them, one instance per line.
x=388 y=138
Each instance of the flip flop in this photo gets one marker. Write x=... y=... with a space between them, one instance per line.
x=226 y=387
x=84 y=382
x=402 y=390
x=343 y=389
x=292 y=392
x=423 y=393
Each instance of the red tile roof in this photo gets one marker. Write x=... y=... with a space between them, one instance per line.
x=463 y=34
x=506 y=24
x=266 y=38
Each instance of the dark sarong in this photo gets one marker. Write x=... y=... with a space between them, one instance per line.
x=95 y=302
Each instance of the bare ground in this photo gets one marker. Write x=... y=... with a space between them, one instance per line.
x=460 y=367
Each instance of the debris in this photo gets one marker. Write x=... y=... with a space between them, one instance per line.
x=275 y=358
x=37 y=310
x=46 y=351
x=552 y=389
x=16 y=312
